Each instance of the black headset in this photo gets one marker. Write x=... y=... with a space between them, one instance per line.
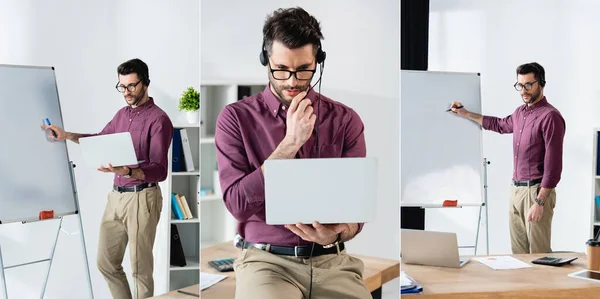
x=264 y=56
x=541 y=74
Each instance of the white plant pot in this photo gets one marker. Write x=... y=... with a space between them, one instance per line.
x=192 y=116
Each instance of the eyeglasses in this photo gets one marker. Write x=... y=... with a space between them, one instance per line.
x=302 y=75
x=528 y=86
x=130 y=87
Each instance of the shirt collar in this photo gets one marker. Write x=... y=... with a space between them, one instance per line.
x=274 y=104
x=144 y=106
x=542 y=102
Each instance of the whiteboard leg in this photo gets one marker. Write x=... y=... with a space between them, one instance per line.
x=81 y=234
x=3 y=277
x=487 y=215
x=85 y=257
x=51 y=258
x=477 y=234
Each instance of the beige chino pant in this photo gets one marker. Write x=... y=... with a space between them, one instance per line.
x=260 y=274
x=129 y=218
x=530 y=237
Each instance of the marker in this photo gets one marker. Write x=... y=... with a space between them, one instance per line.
x=53 y=133
x=454 y=107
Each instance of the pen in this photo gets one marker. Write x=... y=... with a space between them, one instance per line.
x=454 y=107
x=53 y=133
x=187 y=293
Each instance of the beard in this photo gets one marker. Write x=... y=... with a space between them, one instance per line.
x=532 y=97
x=281 y=88
x=131 y=99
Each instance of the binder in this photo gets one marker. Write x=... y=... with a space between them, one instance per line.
x=177 y=255
x=187 y=151
x=176 y=208
x=176 y=151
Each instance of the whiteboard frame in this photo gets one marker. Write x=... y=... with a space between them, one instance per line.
x=70 y=164
x=482 y=168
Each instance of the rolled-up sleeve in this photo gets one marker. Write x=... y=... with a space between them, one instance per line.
x=553 y=130
x=243 y=187
x=496 y=124
x=161 y=134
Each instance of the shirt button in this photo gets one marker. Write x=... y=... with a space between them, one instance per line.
x=275 y=111
x=129 y=119
x=283 y=107
x=520 y=131
x=517 y=143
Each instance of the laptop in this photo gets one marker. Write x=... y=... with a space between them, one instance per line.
x=116 y=149
x=327 y=190
x=430 y=248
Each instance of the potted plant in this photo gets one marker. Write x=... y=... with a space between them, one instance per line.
x=190 y=103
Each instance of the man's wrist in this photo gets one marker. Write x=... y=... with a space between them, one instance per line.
x=540 y=202
x=334 y=242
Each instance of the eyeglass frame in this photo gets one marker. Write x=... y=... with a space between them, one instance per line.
x=525 y=86
x=313 y=71
x=127 y=87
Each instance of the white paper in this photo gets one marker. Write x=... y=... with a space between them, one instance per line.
x=209 y=279
x=404 y=281
x=502 y=262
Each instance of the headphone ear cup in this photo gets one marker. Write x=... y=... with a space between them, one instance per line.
x=321 y=56
x=263 y=58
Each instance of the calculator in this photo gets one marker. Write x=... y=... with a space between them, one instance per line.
x=222 y=265
x=553 y=261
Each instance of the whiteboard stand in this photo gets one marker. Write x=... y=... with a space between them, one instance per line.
x=459 y=205
x=49 y=260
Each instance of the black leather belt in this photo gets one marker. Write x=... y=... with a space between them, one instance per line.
x=136 y=188
x=297 y=251
x=527 y=183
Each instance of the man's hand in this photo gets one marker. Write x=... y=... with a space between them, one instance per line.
x=300 y=120
x=322 y=234
x=60 y=133
x=460 y=111
x=535 y=213
x=121 y=170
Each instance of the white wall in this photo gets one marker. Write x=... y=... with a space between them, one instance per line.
x=86 y=42
x=361 y=70
x=494 y=37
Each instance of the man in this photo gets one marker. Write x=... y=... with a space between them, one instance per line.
x=135 y=202
x=539 y=130
x=278 y=123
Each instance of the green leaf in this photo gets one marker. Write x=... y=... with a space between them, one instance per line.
x=190 y=100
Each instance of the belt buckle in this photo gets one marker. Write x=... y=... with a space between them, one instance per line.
x=296 y=251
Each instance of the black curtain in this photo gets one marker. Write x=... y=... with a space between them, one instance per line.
x=414 y=20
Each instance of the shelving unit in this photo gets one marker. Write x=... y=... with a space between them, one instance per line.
x=172 y=277
x=595 y=221
x=217 y=223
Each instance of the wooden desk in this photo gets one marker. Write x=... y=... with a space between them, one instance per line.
x=476 y=280
x=377 y=272
x=195 y=289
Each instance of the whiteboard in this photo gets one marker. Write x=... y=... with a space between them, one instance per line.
x=441 y=152
x=36 y=174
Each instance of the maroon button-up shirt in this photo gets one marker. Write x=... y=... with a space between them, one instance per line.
x=538 y=134
x=151 y=132
x=248 y=131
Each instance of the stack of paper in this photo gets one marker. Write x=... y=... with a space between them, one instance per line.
x=502 y=262
x=409 y=285
x=209 y=279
